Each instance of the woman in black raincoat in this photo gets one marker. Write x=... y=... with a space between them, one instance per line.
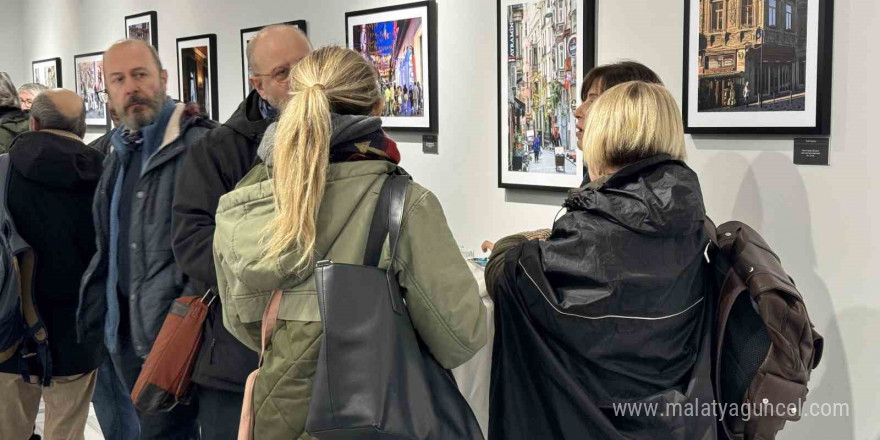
x=602 y=326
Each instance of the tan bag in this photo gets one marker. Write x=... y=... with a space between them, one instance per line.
x=270 y=318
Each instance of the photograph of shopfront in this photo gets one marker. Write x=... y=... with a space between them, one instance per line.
x=542 y=86
x=752 y=55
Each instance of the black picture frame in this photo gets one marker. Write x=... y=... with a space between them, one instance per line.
x=92 y=102
x=300 y=24
x=212 y=109
x=58 y=74
x=431 y=119
x=587 y=35
x=154 y=26
x=824 y=48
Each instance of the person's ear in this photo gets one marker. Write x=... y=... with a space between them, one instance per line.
x=34 y=124
x=378 y=107
x=163 y=79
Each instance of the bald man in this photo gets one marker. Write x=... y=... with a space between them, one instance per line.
x=133 y=278
x=212 y=168
x=51 y=184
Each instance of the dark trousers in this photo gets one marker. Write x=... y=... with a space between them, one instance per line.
x=177 y=424
x=113 y=407
x=219 y=413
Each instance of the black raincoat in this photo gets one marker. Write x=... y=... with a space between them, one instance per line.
x=608 y=311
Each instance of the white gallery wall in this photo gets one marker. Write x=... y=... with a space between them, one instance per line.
x=821 y=220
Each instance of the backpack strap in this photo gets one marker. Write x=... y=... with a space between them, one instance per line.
x=23 y=262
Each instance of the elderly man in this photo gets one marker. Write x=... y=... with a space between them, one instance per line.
x=212 y=168
x=27 y=93
x=51 y=184
x=133 y=277
x=13 y=120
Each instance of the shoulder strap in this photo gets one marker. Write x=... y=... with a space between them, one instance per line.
x=386 y=218
x=4 y=181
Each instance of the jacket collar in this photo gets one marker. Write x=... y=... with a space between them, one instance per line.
x=62 y=133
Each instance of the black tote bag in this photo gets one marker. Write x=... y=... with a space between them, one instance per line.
x=375 y=378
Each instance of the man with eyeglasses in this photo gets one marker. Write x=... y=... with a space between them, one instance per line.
x=133 y=278
x=212 y=168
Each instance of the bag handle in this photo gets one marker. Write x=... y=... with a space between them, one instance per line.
x=270 y=319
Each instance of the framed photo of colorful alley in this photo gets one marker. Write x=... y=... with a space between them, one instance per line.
x=89 y=81
x=246 y=36
x=143 y=27
x=545 y=47
x=197 y=72
x=400 y=42
x=47 y=72
x=757 y=67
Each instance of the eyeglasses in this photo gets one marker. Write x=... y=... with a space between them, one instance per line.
x=281 y=74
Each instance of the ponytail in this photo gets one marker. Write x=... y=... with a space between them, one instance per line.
x=331 y=79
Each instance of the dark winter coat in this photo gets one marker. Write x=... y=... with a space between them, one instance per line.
x=52 y=183
x=102 y=143
x=608 y=310
x=212 y=168
x=13 y=121
x=156 y=281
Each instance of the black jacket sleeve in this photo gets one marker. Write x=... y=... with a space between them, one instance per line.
x=211 y=168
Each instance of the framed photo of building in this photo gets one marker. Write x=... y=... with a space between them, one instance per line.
x=197 y=72
x=143 y=27
x=757 y=67
x=47 y=72
x=399 y=41
x=246 y=36
x=89 y=81
x=544 y=50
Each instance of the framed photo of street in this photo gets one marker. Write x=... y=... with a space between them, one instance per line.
x=89 y=85
x=399 y=41
x=143 y=27
x=544 y=50
x=246 y=36
x=47 y=72
x=757 y=67
x=197 y=72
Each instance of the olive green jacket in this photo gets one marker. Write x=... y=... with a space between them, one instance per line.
x=441 y=294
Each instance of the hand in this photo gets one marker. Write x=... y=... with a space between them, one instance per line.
x=487 y=246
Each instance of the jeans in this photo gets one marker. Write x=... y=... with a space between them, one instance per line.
x=116 y=414
x=177 y=424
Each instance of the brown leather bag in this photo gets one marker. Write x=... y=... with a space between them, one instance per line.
x=766 y=346
x=165 y=378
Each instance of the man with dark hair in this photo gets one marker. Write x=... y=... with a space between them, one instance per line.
x=212 y=168
x=133 y=278
x=601 y=78
x=51 y=183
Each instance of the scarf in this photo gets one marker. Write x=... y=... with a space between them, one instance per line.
x=354 y=138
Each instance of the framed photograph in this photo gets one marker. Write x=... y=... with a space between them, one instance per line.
x=757 y=67
x=197 y=72
x=89 y=77
x=399 y=41
x=47 y=72
x=143 y=27
x=246 y=36
x=545 y=47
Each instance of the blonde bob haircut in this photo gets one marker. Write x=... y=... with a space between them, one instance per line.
x=630 y=122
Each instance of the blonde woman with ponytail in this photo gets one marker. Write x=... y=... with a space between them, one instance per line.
x=312 y=198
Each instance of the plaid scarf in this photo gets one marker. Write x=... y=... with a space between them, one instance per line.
x=373 y=146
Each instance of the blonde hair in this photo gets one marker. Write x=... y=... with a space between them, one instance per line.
x=630 y=122
x=328 y=80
